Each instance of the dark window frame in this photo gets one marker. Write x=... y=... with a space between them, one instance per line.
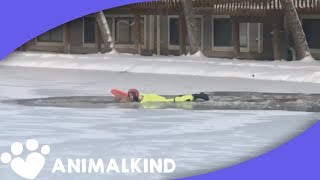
x=131 y=23
x=86 y=30
x=311 y=29
x=227 y=30
x=177 y=37
x=228 y=33
x=50 y=33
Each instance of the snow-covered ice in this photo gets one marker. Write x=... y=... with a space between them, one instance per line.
x=197 y=65
x=198 y=140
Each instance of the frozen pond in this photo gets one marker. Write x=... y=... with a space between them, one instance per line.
x=198 y=140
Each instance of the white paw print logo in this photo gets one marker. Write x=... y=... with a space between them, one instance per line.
x=32 y=166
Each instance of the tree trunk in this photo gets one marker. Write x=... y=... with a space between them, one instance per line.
x=295 y=27
x=98 y=37
x=191 y=26
x=137 y=20
x=105 y=30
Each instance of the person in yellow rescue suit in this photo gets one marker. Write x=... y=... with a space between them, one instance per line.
x=134 y=96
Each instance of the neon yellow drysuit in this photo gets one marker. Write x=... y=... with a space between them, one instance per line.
x=144 y=98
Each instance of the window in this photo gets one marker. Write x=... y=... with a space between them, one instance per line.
x=89 y=30
x=174 y=31
x=222 y=33
x=54 y=35
x=174 y=34
x=243 y=35
x=311 y=28
x=125 y=30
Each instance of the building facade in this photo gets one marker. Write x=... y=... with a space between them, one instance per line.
x=163 y=30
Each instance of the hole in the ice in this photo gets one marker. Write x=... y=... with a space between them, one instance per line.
x=218 y=100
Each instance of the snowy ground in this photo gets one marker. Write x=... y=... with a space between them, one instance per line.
x=197 y=65
x=198 y=140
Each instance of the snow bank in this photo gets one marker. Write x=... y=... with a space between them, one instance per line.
x=307 y=59
x=198 y=55
x=196 y=65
